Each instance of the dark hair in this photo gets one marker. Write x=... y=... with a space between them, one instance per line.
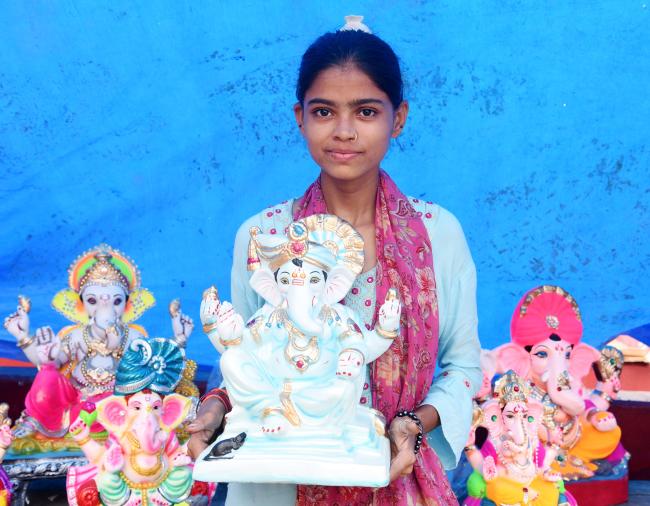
x=366 y=51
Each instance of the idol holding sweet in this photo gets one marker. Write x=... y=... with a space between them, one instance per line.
x=78 y=364
x=294 y=371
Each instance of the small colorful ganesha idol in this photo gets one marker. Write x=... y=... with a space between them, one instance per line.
x=512 y=465
x=142 y=462
x=6 y=437
x=546 y=330
x=295 y=371
x=77 y=365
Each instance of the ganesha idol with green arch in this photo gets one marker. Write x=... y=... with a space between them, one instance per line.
x=142 y=462
x=295 y=371
x=77 y=365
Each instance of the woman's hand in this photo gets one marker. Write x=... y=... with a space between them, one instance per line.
x=208 y=421
x=402 y=434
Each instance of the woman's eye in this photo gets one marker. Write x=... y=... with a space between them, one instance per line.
x=92 y=300
x=322 y=113
x=541 y=354
x=367 y=113
x=117 y=302
x=313 y=280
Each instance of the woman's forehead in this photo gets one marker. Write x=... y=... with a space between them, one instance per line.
x=344 y=85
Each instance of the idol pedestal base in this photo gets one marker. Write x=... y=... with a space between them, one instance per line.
x=356 y=456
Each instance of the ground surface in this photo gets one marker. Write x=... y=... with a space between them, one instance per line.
x=54 y=495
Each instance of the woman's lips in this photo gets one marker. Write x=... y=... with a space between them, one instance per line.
x=342 y=155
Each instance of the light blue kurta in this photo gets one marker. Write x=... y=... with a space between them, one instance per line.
x=458 y=375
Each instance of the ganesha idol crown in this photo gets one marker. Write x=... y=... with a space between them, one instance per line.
x=510 y=388
x=103 y=266
x=321 y=239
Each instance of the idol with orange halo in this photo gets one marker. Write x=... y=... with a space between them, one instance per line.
x=77 y=365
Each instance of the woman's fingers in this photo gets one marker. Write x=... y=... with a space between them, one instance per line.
x=402 y=464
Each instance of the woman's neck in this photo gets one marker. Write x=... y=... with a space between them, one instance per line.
x=352 y=200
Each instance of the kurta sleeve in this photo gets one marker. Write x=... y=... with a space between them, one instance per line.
x=458 y=375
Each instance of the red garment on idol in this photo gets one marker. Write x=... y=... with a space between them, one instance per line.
x=50 y=398
x=401 y=377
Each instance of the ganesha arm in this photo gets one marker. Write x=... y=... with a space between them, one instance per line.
x=221 y=323
x=43 y=346
x=93 y=450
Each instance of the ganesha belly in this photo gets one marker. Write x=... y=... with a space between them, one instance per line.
x=142 y=462
x=77 y=365
x=546 y=330
x=295 y=372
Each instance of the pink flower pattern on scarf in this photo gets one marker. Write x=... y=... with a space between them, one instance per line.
x=401 y=377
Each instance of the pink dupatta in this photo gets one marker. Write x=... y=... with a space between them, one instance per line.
x=401 y=377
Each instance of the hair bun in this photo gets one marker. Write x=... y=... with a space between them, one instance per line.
x=354 y=23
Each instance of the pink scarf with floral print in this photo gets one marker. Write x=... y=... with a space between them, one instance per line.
x=401 y=377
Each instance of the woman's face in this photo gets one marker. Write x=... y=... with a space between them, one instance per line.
x=348 y=122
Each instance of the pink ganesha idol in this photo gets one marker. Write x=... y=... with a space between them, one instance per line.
x=546 y=330
x=77 y=365
x=142 y=462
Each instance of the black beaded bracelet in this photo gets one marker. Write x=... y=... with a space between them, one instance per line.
x=418 y=422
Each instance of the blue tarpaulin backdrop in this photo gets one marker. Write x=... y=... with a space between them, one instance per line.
x=158 y=127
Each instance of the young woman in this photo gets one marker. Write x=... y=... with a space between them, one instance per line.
x=350 y=106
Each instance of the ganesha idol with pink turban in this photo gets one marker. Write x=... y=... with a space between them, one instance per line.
x=546 y=349
x=77 y=365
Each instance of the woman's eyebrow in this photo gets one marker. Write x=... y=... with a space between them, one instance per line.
x=321 y=101
x=353 y=103
x=365 y=101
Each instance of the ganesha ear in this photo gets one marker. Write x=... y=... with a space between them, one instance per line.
x=111 y=413
x=512 y=356
x=339 y=282
x=264 y=283
x=582 y=356
x=175 y=410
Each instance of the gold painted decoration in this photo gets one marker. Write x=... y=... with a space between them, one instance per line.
x=553 y=322
x=511 y=388
x=323 y=240
x=105 y=266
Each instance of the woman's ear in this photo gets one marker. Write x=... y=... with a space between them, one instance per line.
x=401 y=113
x=299 y=113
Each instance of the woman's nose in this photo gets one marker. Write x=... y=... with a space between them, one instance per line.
x=345 y=130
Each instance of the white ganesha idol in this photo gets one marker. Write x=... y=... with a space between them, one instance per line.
x=295 y=371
